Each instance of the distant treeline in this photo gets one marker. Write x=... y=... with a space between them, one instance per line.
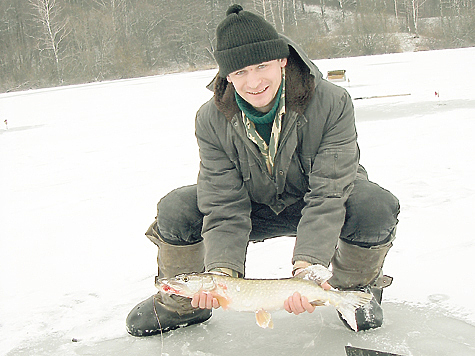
x=56 y=42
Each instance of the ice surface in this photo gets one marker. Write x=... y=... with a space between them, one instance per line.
x=83 y=167
x=408 y=330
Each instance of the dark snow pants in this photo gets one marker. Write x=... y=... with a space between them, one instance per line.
x=371 y=217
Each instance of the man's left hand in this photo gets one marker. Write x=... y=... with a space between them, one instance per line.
x=298 y=304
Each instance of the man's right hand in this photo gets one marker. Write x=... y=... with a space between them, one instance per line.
x=204 y=301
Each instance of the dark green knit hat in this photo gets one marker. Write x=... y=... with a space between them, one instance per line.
x=244 y=39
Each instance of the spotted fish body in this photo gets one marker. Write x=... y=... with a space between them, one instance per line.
x=266 y=295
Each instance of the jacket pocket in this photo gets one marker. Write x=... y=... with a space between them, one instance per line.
x=334 y=170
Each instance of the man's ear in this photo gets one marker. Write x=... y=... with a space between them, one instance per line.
x=229 y=79
x=283 y=62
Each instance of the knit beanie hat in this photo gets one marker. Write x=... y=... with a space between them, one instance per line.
x=244 y=39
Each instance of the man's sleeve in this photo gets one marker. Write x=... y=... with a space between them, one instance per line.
x=330 y=183
x=222 y=198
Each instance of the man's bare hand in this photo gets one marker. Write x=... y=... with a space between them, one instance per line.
x=298 y=304
x=204 y=301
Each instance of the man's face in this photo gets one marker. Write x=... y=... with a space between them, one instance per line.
x=258 y=84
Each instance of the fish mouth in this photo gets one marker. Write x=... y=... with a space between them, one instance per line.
x=168 y=289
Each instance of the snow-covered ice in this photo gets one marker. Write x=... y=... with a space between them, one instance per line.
x=83 y=167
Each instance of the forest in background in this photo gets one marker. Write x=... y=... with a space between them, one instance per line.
x=45 y=43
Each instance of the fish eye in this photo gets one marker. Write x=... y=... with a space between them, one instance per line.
x=185 y=279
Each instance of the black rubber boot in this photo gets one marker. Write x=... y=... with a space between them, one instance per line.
x=370 y=315
x=359 y=268
x=163 y=312
x=152 y=316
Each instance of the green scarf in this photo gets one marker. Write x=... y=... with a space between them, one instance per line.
x=262 y=121
x=266 y=133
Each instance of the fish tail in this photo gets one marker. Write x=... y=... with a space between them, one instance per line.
x=348 y=303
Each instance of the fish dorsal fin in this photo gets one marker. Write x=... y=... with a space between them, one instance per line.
x=316 y=273
x=264 y=319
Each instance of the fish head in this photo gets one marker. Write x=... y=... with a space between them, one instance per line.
x=187 y=285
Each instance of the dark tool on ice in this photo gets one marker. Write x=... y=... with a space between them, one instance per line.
x=355 y=351
x=379 y=96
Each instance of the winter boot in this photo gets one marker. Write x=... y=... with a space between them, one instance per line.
x=163 y=312
x=359 y=268
x=370 y=315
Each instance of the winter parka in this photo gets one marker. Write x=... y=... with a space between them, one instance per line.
x=317 y=160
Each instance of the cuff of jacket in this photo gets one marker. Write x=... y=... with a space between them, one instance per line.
x=309 y=259
x=228 y=271
x=225 y=265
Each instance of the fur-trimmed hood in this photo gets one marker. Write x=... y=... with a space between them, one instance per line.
x=302 y=76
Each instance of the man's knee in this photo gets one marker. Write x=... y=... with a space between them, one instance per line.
x=371 y=215
x=179 y=220
x=377 y=206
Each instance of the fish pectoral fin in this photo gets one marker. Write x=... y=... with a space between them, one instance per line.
x=223 y=301
x=264 y=319
x=318 y=303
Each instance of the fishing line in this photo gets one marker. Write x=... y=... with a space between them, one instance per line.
x=159 y=325
x=316 y=336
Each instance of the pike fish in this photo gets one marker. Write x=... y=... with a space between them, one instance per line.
x=263 y=296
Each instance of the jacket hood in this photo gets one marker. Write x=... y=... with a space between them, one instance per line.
x=302 y=76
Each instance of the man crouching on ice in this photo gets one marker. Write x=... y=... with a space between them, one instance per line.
x=279 y=157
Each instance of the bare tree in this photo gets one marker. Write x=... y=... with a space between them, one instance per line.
x=395 y=11
x=412 y=14
x=53 y=31
x=323 y=13
x=266 y=9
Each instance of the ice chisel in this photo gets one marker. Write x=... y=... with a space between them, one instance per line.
x=355 y=351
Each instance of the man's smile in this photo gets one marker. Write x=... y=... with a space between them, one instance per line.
x=258 y=92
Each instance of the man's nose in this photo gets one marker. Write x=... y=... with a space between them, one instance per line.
x=253 y=79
